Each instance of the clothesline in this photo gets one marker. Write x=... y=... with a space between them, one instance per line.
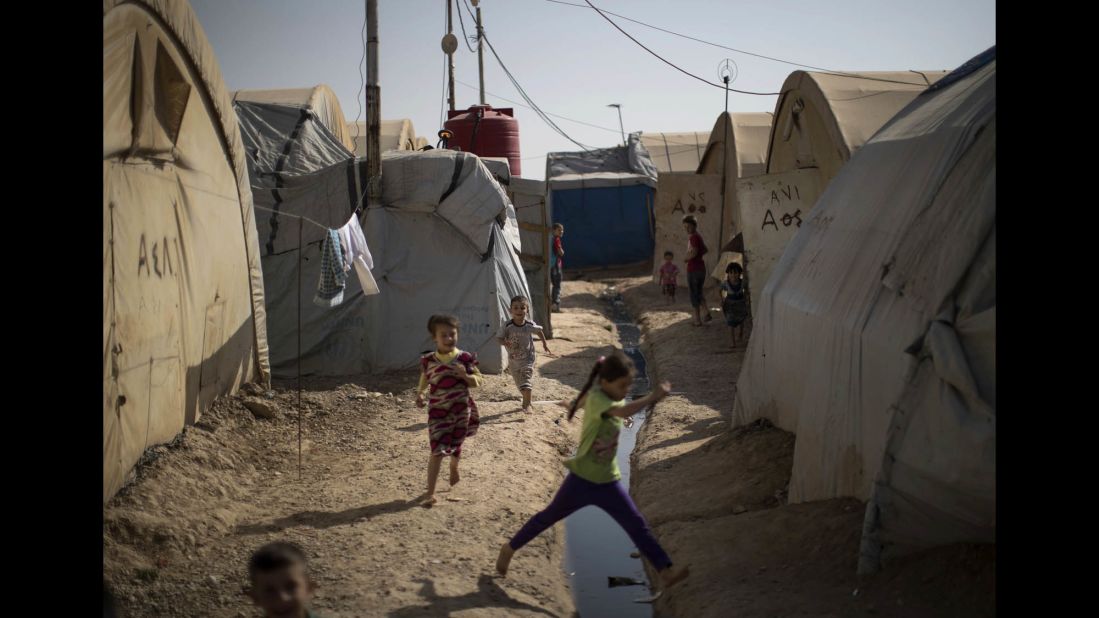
x=286 y=214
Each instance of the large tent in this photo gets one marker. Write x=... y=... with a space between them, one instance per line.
x=182 y=291
x=675 y=152
x=392 y=135
x=875 y=336
x=320 y=99
x=604 y=198
x=820 y=121
x=699 y=193
x=444 y=239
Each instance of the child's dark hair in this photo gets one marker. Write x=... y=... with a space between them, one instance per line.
x=607 y=368
x=275 y=556
x=441 y=319
x=690 y=219
x=733 y=267
x=669 y=254
x=520 y=298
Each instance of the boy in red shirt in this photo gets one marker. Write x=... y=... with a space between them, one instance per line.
x=696 y=268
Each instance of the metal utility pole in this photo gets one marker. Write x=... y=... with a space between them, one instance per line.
x=373 y=107
x=724 y=162
x=618 y=106
x=450 y=53
x=480 y=51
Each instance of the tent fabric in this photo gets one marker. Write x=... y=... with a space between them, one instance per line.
x=444 y=239
x=320 y=99
x=874 y=339
x=821 y=119
x=396 y=134
x=183 y=298
x=603 y=167
x=700 y=194
x=298 y=168
x=675 y=152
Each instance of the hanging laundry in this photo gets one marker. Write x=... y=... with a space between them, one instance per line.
x=360 y=256
x=358 y=242
x=333 y=276
x=345 y=245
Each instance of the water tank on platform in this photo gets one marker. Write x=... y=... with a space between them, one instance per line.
x=486 y=132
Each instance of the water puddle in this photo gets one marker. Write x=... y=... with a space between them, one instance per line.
x=596 y=548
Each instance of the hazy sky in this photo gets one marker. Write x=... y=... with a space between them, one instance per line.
x=571 y=62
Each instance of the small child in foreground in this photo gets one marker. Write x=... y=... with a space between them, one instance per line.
x=280 y=581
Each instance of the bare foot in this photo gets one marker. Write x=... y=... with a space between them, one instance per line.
x=527 y=409
x=672 y=576
x=504 y=559
x=428 y=501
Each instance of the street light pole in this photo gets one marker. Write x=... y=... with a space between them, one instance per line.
x=618 y=106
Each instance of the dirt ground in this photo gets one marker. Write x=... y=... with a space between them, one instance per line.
x=177 y=540
x=716 y=498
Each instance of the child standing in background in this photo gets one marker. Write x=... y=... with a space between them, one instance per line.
x=518 y=338
x=668 y=273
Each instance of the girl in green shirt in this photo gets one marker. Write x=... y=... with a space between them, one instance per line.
x=594 y=478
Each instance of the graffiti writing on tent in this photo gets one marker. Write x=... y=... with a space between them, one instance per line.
x=791 y=193
x=154 y=256
x=474 y=320
x=695 y=202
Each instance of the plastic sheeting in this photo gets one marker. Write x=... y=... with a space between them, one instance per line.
x=875 y=337
x=182 y=289
x=444 y=239
x=603 y=167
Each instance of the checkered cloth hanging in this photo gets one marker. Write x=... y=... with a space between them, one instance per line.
x=333 y=277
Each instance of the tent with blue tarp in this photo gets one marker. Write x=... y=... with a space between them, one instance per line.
x=604 y=198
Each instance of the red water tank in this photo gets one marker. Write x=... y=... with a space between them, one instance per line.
x=486 y=132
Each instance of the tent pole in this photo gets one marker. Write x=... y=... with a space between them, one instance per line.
x=300 y=224
x=724 y=167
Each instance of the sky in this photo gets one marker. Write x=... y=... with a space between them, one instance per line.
x=572 y=63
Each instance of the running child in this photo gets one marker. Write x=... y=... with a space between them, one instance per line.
x=518 y=338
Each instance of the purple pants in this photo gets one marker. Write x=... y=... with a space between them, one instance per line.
x=576 y=493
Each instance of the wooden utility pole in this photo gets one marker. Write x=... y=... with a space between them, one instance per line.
x=373 y=107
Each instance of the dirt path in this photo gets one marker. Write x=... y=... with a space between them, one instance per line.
x=177 y=540
x=716 y=499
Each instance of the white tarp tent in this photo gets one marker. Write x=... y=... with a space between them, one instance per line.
x=444 y=239
x=875 y=337
x=182 y=289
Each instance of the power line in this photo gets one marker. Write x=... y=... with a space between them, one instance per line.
x=514 y=82
x=741 y=51
x=362 y=83
x=595 y=126
x=669 y=63
x=465 y=37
